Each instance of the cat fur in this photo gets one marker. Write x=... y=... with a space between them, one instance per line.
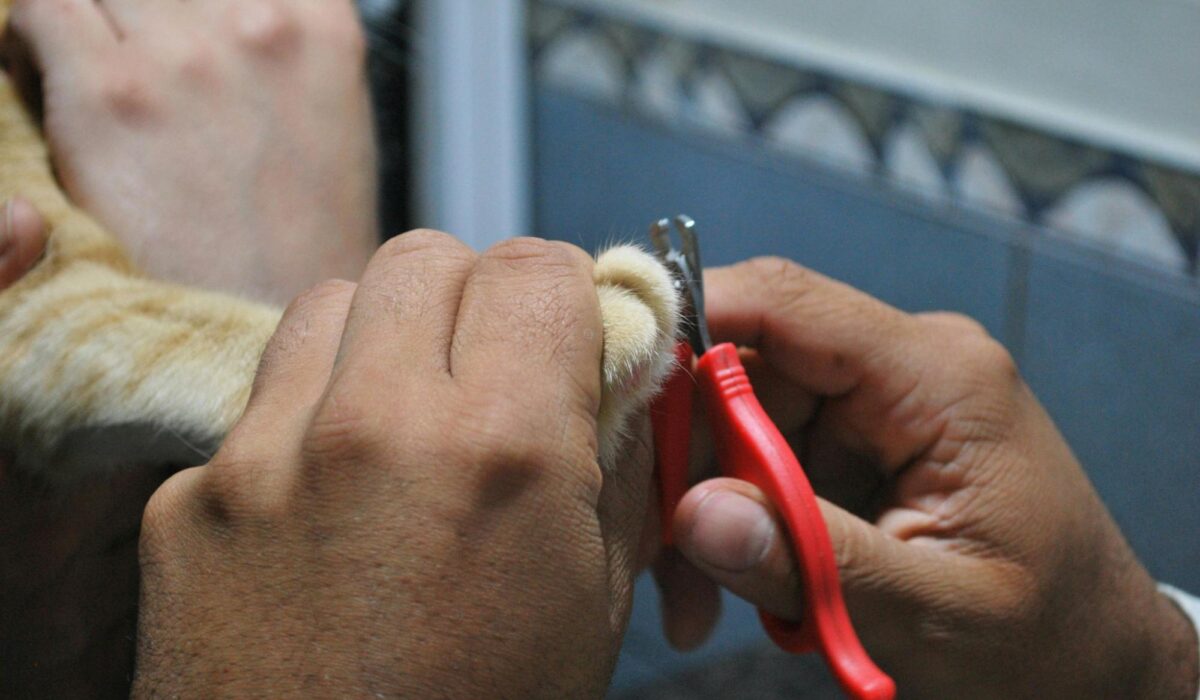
x=102 y=367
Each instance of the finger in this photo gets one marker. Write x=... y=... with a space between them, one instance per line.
x=789 y=404
x=530 y=308
x=22 y=240
x=62 y=34
x=402 y=319
x=293 y=373
x=820 y=333
x=729 y=531
x=726 y=528
x=872 y=364
x=847 y=479
x=690 y=601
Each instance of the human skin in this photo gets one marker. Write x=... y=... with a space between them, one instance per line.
x=227 y=143
x=976 y=558
x=411 y=505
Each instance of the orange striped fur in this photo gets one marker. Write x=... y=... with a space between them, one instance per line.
x=102 y=367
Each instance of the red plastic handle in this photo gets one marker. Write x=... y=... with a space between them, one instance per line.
x=671 y=419
x=751 y=448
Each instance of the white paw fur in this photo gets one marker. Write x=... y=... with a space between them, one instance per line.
x=640 y=310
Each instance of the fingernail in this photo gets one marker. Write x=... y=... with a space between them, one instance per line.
x=731 y=532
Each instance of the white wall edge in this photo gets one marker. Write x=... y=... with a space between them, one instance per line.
x=1124 y=76
x=472 y=140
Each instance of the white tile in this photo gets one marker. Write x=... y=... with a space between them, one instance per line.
x=980 y=181
x=1116 y=215
x=910 y=164
x=658 y=88
x=819 y=127
x=715 y=105
x=586 y=63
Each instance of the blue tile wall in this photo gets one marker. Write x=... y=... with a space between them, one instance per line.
x=1115 y=358
x=647 y=659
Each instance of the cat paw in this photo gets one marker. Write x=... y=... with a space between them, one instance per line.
x=640 y=310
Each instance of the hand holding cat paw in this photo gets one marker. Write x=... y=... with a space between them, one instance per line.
x=411 y=505
x=227 y=143
x=22 y=240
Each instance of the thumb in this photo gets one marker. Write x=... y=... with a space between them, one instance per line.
x=729 y=530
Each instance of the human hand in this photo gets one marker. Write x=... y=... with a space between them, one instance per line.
x=227 y=143
x=976 y=558
x=411 y=504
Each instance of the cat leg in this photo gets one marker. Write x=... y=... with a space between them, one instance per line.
x=90 y=350
x=640 y=310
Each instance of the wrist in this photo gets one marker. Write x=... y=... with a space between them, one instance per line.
x=1127 y=640
x=1178 y=660
x=1162 y=663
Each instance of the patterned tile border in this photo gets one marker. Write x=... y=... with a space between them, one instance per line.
x=1138 y=210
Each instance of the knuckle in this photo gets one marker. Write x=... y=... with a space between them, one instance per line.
x=126 y=95
x=776 y=269
x=981 y=355
x=987 y=356
x=422 y=241
x=197 y=62
x=556 y=297
x=265 y=26
x=167 y=511
x=436 y=252
x=330 y=293
x=341 y=432
x=786 y=278
x=227 y=490
x=955 y=322
x=312 y=314
x=536 y=252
